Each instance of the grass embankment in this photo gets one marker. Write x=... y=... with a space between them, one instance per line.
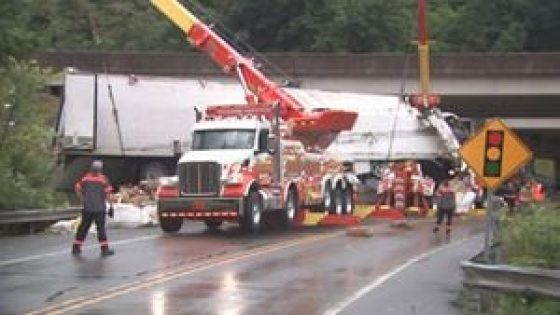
x=529 y=239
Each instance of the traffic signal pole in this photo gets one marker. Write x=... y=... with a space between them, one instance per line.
x=492 y=226
x=489 y=210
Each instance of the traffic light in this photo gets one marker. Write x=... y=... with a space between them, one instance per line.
x=494 y=152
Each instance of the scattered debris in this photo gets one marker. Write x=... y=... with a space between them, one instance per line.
x=139 y=195
x=134 y=206
x=400 y=224
x=133 y=216
x=360 y=231
x=64 y=226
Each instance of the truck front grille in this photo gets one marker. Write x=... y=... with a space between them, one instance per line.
x=199 y=178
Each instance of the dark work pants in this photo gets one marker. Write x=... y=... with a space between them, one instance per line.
x=87 y=219
x=445 y=213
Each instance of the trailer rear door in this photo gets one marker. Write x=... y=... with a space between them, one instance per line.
x=76 y=126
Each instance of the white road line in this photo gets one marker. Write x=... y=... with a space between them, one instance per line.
x=67 y=251
x=338 y=307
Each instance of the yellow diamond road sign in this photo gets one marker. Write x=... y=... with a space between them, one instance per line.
x=495 y=153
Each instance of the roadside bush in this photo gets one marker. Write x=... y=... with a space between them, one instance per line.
x=533 y=238
x=516 y=305
x=529 y=239
x=26 y=157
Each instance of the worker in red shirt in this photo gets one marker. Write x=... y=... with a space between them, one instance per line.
x=94 y=191
x=445 y=196
x=537 y=191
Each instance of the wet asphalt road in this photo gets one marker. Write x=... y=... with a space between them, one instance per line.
x=306 y=271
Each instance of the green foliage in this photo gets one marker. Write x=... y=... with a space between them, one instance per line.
x=26 y=160
x=531 y=238
x=480 y=25
x=323 y=25
x=390 y=25
x=284 y=25
x=18 y=30
x=534 y=239
x=126 y=25
x=518 y=305
x=544 y=26
x=469 y=302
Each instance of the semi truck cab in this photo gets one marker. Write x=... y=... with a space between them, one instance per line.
x=231 y=174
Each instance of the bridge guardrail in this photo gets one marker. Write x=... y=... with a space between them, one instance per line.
x=512 y=279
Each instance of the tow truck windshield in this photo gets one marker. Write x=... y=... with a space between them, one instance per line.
x=233 y=139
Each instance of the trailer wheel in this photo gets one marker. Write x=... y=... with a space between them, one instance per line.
x=291 y=209
x=328 y=199
x=348 y=201
x=251 y=221
x=170 y=225
x=213 y=224
x=339 y=203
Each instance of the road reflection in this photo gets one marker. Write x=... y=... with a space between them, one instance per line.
x=230 y=296
x=158 y=303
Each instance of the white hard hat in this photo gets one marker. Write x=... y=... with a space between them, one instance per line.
x=96 y=165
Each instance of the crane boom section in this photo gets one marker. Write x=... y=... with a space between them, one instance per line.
x=204 y=38
x=423 y=51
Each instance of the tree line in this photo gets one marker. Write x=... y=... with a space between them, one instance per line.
x=338 y=26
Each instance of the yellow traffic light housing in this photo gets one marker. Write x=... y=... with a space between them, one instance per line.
x=493 y=153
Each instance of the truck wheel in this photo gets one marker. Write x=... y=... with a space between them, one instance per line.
x=291 y=209
x=328 y=199
x=213 y=224
x=339 y=203
x=153 y=170
x=251 y=221
x=348 y=201
x=170 y=225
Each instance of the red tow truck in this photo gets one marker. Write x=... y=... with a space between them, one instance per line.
x=249 y=160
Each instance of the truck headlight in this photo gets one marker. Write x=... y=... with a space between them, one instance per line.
x=169 y=181
x=234 y=175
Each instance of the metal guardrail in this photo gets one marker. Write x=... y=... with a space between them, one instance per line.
x=39 y=215
x=512 y=279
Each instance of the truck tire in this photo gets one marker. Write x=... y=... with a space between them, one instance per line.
x=339 y=203
x=291 y=209
x=153 y=171
x=213 y=224
x=170 y=225
x=348 y=201
x=252 y=215
x=328 y=199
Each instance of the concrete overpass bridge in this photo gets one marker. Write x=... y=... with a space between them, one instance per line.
x=522 y=88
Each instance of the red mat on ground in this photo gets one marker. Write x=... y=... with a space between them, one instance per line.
x=394 y=214
x=345 y=220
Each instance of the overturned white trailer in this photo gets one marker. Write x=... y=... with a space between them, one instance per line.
x=139 y=125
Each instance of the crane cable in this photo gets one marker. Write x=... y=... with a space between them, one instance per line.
x=238 y=43
x=400 y=101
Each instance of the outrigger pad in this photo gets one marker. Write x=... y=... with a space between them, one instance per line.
x=319 y=129
x=340 y=220
x=328 y=120
x=393 y=214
